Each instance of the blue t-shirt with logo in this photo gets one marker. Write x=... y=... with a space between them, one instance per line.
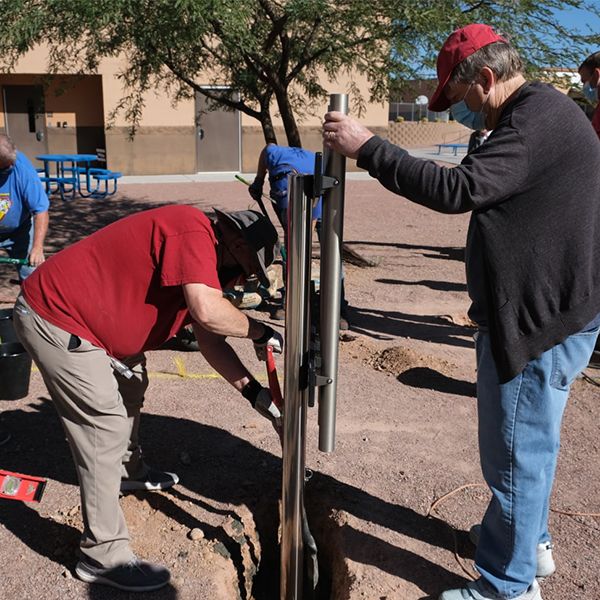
x=282 y=160
x=21 y=195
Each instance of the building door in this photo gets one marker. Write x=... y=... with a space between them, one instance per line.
x=217 y=137
x=25 y=119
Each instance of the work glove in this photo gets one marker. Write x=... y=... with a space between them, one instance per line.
x=268 y=409
x=256 y=189
x=262 y=402
x=269 y=338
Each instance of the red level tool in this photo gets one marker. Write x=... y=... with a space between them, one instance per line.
x=15 y=486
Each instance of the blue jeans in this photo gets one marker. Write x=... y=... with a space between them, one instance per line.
x=18 y=244
x=519 y=439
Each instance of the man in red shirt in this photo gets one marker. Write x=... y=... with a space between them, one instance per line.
x=87 y=315
x=589 y=71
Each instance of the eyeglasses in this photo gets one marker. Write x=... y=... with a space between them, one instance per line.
x=465 y=94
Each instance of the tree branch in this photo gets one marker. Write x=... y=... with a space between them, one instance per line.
x=236 y=105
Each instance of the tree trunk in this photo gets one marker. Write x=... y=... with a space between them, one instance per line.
x=287 y=116
x=267 y=126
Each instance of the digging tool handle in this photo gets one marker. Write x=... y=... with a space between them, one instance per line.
x=273 y=379
x=13 y=261
x=259 y=201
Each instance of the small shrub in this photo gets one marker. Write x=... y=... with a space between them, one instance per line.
x=399 y=119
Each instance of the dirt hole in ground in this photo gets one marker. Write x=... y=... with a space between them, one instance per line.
x=323 y=527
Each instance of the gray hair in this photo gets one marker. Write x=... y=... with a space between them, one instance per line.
x=500 y=57
x=8 y=150
x=591 y=62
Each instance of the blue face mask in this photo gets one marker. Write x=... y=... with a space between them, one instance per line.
x=591 y=93
x=469 y=118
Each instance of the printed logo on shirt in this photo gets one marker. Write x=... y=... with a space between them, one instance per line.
x=5 y=204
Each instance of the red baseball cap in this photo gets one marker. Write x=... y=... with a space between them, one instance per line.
x=459 y=45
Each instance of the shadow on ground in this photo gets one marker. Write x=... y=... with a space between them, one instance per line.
x=226 y=469
x=430 y=379
x=442 y=286
x=443 y=252
x=389 y=324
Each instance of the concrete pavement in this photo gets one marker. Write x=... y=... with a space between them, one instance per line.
x=427 y=153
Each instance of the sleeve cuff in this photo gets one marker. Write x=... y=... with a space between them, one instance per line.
x=366 y=152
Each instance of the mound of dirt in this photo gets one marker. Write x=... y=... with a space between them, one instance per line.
x=398 y=359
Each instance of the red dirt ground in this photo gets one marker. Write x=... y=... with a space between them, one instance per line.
x=406 y=436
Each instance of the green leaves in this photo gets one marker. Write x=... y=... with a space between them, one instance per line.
x=273 y=49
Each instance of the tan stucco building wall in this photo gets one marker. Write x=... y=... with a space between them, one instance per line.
x=165 y=141
x=79 y=117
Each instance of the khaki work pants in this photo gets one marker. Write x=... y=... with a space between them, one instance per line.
x=99 y=410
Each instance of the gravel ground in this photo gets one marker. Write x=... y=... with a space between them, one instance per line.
x=406 y=436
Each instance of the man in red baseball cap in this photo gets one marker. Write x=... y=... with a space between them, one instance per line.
x=459 y=45
x=533 y=276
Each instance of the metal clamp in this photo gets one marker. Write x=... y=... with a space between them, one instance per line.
x=315 y=185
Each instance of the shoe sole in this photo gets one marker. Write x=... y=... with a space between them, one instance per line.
x=91 y=578
x=132 y=486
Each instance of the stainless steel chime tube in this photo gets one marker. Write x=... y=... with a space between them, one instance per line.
x=331 y=285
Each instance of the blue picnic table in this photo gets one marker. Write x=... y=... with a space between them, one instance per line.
x=71 y=174
x=453 y=147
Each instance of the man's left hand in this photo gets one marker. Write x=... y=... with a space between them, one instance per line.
x=343 y=134
x=269 y=338
x=256 y=189
x=267 y=408
x=36 y=257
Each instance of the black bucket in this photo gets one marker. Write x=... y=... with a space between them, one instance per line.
x=7 y=331
x=15 y=371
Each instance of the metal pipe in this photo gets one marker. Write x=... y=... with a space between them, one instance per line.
x=296 y=388
x=330 y=285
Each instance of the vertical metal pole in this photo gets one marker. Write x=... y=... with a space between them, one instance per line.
x=330 y=285
x=296 y=388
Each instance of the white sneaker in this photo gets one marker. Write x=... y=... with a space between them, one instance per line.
x=478 y=590
x=545 y=560
x=153 y=480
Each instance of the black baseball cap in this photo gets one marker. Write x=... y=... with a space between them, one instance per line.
x=251 y=239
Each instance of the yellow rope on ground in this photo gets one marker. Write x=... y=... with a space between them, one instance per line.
x=181 y=374
x=180 y=366
x=450 y=494
x=468 y=571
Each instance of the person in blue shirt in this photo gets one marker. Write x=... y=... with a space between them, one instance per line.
x=23 y=208
x=278 y=162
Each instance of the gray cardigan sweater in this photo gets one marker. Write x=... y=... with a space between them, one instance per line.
x=534 y=192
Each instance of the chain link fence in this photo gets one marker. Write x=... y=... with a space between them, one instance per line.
x=411 y=111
